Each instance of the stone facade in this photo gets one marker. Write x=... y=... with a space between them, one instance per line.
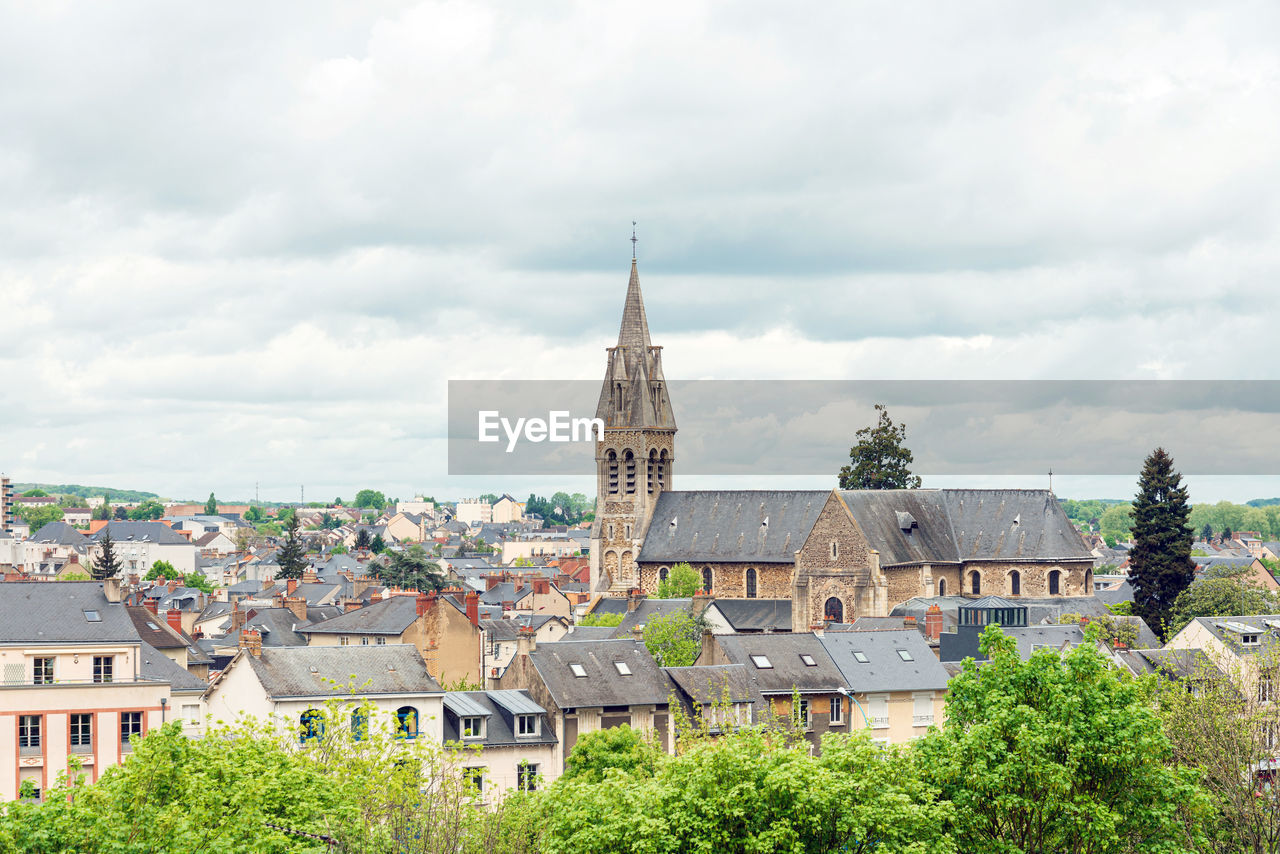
x=729 y=580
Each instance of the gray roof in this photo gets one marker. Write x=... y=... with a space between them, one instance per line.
x=1266 y=626
x=885 y=669
x=59 y=533
x=787 y=672
x=646 y=610
x=498 y=708
x=278 y=627
x=53 y=612
x=320 y=671
x=882 y=515
x=389 y=617
x=755 y=615
x=984 y=522
x=707 y=684
x=1046 y=609
x=1123 y=592
x=157 y=667
x=1031 y=638
x=153 y=532
x=588 y=633
x=462 y=704
x=1171 y=663
x=713 y=526
x=603 y=685
x=505 y=591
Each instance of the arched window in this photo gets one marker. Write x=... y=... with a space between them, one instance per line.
x=630 y=460
x=310 y=726
x=942 y=587
x=751 y=583
x=612 y=460
x=662 y=470
x=1055 y=583
x=652 y=469
x=835 y=550
x=1015 y=583
x=359 y=724
x=663 y=572
x=406 y=722
x=975 y=583
x=833 y=611
x=706 y=579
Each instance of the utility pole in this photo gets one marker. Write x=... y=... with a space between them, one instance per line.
x=302 y=496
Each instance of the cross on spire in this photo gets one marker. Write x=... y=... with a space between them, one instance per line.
x=634 y=239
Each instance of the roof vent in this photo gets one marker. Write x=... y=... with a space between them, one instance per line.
x=906 y=521
x=314 y=669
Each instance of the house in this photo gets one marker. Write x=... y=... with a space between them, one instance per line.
x=77 y=682
x=749 y=616
x=1244 y=648
x=507 y=509
x=78 y=516
x=517 y=744
x=501 y=638
x=1250 y=566
x=717 y=696
x=896 y=685
x=587 y=686
x=214 y=544
x=138 y=545
x=406 y=528
x=293 y=684
x=165 y=636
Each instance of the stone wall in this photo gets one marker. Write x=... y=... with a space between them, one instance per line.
x=729 y=580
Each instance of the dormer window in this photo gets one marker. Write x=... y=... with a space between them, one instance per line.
x=526 y=725
x=860 y=657
x=905 y=655
x=472 y=727
x=623 y=668
x=1248 y=640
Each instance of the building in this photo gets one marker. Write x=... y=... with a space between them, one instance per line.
x=473 y=512
x=896 y=685
x=507 y=509
x=509 y=740
x=138 y=545
x=7 y=517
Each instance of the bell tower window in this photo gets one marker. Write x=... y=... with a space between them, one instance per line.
x=612 y=459
x=630 y=459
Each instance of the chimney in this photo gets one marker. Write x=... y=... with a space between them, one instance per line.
x=267 y=582
x=634 y=597
x=491 y=581
x=701 y=601
x=174 y=616
x=174 y=585
x=251 y=640
x=519 y=582
x=933 y=622
x=541 y=586
x=298 y=605
x=708 y=653
x=473 y=608
x=351 y=605
x=151 y=605
x=425 y=602
x=526 y=641
x=309 y=575
x=290 y=586
x=237 y=618
x=111 y=589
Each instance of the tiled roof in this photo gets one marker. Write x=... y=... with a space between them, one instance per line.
x=54 y=612
x=324 y=671
x=603 y=683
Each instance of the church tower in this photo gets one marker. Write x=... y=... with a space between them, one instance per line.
x=635 y=460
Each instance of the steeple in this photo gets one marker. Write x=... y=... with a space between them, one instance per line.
x=634 y=393
x=635 y=326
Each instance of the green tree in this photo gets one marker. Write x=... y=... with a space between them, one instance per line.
x=1161 y=555
x=35 y=493
x=682 y=582
x=253 y=514
x=1115 y=523
x=339 y=549
x=1221 y=593
x=149 y=510
x=363 y=540
x=595 y=754
x=293 y=553
x=610 y=621
x=370 y=498
x=106 y=564
x=1206 y=533
x=675 y=639
x=377 y=545
x=211 y=506
x=412 y=569
x=162 y=569
x=880 y=459
x=1056 y=754
x=38 y=515
x=102 y=511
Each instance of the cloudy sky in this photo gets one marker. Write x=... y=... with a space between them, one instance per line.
x=251 y=243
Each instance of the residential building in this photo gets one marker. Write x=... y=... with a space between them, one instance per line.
x=507 y=509
x=516 y=741
x=138 y=545
x=896 y=685
x=474 y=512
x=7 y=511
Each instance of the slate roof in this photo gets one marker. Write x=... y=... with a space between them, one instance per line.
x=788 y=672
x=1038 y=609
x=53 y=612
x=499 y=718
x=1220 y=627
x=603 y=685
x=755 y=615
x=157 y=667
x=881 y=515
x=588 y=633
x=505 y=591
x=885 y=669
x=646 y=610
x=152 y=532
x=983 y=520
x=59 y=533
x=1171 y=663
x=156 y=630
x=1121 y=593
x=315 y=671
x=278 y=627
x=726 y=525
x=707 y=684
x=388 y=617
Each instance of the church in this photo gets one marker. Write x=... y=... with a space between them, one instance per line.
x=836 y=554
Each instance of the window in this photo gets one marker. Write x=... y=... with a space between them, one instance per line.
x=630 y=459
x=833 y=610
x=623 y=668
x=808 y=660
x=835 y=550
x=131 y=727
x=1015 y=583
x=359 y=724
x=42 y=671
x=663 y=572
x=942 y=587
x=1266 y=688
x=860 y=657
x=905 y=655
x=878 y=711
x=473 y=727
x=527 y=777
x=837 y=710
x=92 y=616
x=1249 y=640
x=751 y=583
x=381 y=642
x=612 y=459
x=706 y=579
x=578 y=670
x=922 y=710
x=81 y=733
x=526 y=725
x=103 y=665
x=343 y=640
x=310 y=726
x=476 y=776
x=29 y=733
x=364 y=641
x=191 y=713
x=762 y=662
x=975 y=583
x=1055 y=582
x=406 y=722
x=802 y=714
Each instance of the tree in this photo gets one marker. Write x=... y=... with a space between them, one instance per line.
x=370 y=498
x=377 y=545
x=103 y=510
x=1206 y=533
x=211 y=506
x=106 y=564
x=619 y=747
x=362 y=538
x=682 y=582
x=411 y=569
x=675 y=639
x=254 y=514
x=161 y=569
x=611 y=621
x=1056 y=754
x=293 y=554
x=1221 y=594
x=1161 y=556
x=148 y=510
x=339 y=549
x=38 y=515
x=1115 y=523
x=880 y=460
x=35 y=493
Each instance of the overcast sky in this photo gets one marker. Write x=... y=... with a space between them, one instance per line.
x=251 y=242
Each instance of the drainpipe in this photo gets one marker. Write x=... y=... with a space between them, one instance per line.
x=866 y=721
x=164 y=702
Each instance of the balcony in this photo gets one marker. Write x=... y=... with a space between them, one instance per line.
x=879 y=722
x=922 y=720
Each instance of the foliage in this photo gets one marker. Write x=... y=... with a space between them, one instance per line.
x=1161 y=554
x=377 y=545
x=1222 y=594
x=211 y=506
x=103 y=511
x=602 y=620
x=148 y=510
x=410 y=569
x=34 y=493
x=254 y=514
x=370 y=498
x=293 y=553
x=84 y=491
x=675 y=639
x=37 y=516
x=880 y=459
x=560 y=509
x=161 y=569
x=1114 y=630
x=363 y=540
x=106 y=564
x=269 y=529
x=1116 y=523
x=1056 y=754
x=1087 y=513
x=682 y=582
x=339 y=549
x=622 y=748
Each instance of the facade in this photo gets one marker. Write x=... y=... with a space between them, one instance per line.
x=897 y=686
x=507 y=509
x=7 y=517
x=508 y=740
x=473 y=512
x=140 y=544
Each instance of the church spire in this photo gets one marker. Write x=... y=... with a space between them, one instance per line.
x=634 y=392
x=634 y=333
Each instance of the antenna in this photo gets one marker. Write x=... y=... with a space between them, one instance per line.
x=634 y=240
x=1050 y=478
x=302 y=495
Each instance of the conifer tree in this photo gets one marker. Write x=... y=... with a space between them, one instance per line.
x=1161 y=556
x=106 y=565
x=880 y=460
x=211 y=506
x=293 y=554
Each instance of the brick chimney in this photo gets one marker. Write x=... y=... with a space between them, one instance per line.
x=526 y=641
x=237 y=618
x=174 y=585
x=298 y=605
x=473 y=608
x=251 y=640
x=702 y=600
x=290 y=586
x=491 y=581
x=933 y=622
x=425 y=603
x=151 y=605
x=309 y=575
x=352 y=605
x=634 y=597
x=708 y=653
x=174 y=617
x=541 y=586
x=267 y=582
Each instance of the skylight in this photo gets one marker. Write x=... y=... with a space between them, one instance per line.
x=92 y=616
x=153 y=626
x=578 y=670
x=623 y=668
x=861 y=658
x=808 y=660
x=762 y=662
x=904 y=655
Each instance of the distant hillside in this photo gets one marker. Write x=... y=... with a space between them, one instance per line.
x=1263 y=502
x=119 y=495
